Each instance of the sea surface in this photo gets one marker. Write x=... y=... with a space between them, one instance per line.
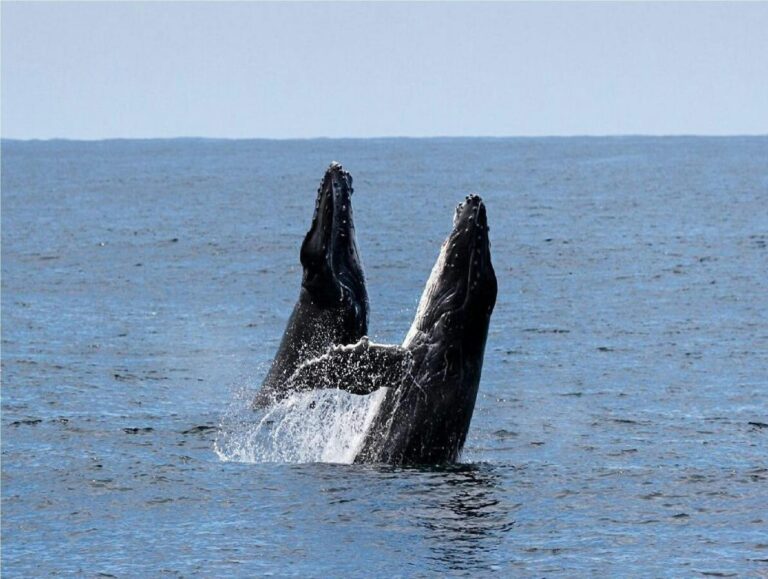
x=621 y=426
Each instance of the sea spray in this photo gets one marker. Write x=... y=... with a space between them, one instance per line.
x=313 y=426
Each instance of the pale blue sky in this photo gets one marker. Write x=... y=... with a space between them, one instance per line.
x=97 y=70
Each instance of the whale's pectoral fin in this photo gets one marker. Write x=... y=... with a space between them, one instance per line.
x=360 y=368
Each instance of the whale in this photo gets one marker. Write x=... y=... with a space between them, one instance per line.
x=332 y=307
x=431 y=380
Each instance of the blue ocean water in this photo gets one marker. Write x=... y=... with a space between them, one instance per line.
x=622 y=422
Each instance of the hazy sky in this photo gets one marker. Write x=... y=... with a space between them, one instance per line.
x=96 y=70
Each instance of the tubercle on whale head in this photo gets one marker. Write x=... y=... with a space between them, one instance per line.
x=329 y=253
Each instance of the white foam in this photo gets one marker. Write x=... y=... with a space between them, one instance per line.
x=314 y=426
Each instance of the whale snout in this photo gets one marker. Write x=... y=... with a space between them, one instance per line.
x=337 y=180
x=471 y=220
x=329 y=251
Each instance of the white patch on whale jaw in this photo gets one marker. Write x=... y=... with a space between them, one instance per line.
x=435 y=292
x=426 y=296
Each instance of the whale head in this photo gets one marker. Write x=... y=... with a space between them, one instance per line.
x=459 y=297
x=426 y=419
x=332 y=308
x=333 y=272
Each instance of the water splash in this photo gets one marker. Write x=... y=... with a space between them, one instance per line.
x=314 y=426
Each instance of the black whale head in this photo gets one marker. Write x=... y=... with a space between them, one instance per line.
x=332 y=308
x=458 y=300
x=426 y=420
x=333 y=272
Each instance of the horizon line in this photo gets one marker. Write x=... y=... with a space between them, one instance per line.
x=383 y=138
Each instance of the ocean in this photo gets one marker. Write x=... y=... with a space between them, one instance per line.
x=621 y=426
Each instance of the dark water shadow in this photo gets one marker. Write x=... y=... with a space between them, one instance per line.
x=463 y=513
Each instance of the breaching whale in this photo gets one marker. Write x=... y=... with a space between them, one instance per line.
x=332 y=308
x=432 y=379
